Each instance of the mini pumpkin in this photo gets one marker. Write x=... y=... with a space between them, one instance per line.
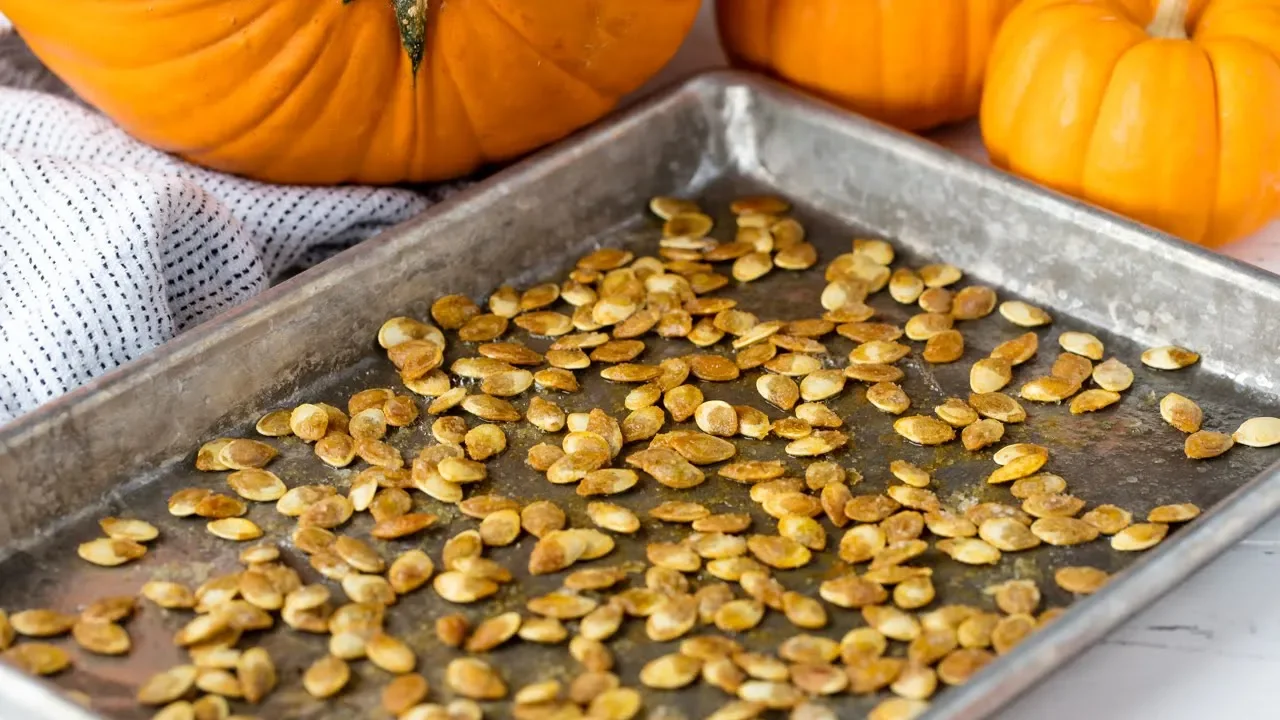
x=1165 y=111
x=915 y=64
x=327 y=91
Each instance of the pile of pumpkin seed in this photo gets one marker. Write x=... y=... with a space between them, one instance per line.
x=699 y=593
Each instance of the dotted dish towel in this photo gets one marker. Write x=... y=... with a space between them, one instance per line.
x=108 y=247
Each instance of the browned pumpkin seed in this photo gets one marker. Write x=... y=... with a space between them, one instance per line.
x=207 y=456
x=233 y=528
x=888 y=397
x=879 y=352
x=865 y=332
x=108 y=552
x=1010 y=631
x=944 y=347
x=873 y=372
x=1063 y=530
x=139 y=531
x=1207 y=444
x=274 y=424
x=970 y=551
x=905 y=286
x=1140 y=536
x=1026 y=487
x=924 y=430
x=927 y=325
x=670 y=672
x=1052 y=505
x=1093 y=400
x=851 y=591
x=1081 y=580
x=1169 y=357
x=326 y=677
x=956 y=412
x=937 y=300
x=1181 y=413
x=1049 y=389
x=998 y=406
x=981 y=434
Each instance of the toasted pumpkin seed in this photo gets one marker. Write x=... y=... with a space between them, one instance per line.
x=1181 y=512
x=1063 y=530
x=924 y=430
x=1093 y=400
x=1207 y=444
x=1181 y=412
x=905 y=286
x=944 y=347
x=973 y=303
x=670 y=672
x=139 y=531
x=888 y=397
x=327 y=676
x=937 y=300
x=926 y=325
x=1081 y=580
x=233 y=528
x=990 y=374
x=981 y=434
x=998 y=406
x=970 y=551
x=109 y=552
x=1169 y=357
x=1140 y=536
x=956 y=412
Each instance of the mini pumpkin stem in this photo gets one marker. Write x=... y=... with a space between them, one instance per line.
x=1170 y=20
x=412 y=17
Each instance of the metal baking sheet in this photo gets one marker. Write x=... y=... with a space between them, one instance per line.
x=122 y=444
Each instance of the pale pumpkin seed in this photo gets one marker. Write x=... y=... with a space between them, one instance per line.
x=1258 y=432
x=1024 y=314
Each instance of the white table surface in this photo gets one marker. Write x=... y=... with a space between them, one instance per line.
x=1209 y=650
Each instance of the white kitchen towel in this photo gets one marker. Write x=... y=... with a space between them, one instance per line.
x=108 y=247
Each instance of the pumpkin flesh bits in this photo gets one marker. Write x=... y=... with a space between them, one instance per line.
x=662 y=510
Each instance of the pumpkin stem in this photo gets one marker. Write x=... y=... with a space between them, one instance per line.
x=1170 y=20
x=412 y=17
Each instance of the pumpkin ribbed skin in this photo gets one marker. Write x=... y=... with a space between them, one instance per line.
x=915 y=64
x=321 y=92
x=1182 y=134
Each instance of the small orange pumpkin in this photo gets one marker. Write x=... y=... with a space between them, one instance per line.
x=1163 y=110
x=329 y=91
x=915 y=64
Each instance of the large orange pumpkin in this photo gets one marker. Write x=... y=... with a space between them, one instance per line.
x=1168 y=112
x=915 y=64
x=327 y=91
